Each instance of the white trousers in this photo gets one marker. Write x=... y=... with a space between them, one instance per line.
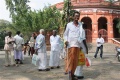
x=18 y=54
x=11 y=60
x=42 y=60
x=54 y=58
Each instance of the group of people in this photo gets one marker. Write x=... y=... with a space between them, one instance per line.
x=40 y=48
x=13 y=48
x=74 y=39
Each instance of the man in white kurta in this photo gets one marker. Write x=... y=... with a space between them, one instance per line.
x=55 y=42
x=40 y=47
x=19 y=42
x=79 y=69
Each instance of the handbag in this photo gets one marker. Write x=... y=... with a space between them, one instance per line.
x=88 y=62
x=35 y=60
x=81 y=58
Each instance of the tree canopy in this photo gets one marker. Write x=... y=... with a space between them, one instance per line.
x=24 y=19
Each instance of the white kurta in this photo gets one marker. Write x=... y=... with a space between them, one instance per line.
x=55 y=50
x=19 y=42
x=41 y=46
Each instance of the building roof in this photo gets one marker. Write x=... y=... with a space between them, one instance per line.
x=91 y=4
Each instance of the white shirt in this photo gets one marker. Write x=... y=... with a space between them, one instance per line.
x=19 y=41
x=72 y=34
x=7 y=45
x=55 y=42
x=31 y=42
x=40 y=44
x=101 y=40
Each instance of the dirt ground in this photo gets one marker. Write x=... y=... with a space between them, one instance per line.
x=107 y=68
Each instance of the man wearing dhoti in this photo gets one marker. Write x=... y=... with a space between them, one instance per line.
x=55 y=42
x=9 y=55
x=40 y=47
x=71 y=36
x=19 y=42
x=84 y=48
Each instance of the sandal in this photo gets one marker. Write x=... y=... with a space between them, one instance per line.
x=52 y=68
x=16 y=65
x=58 y=67
x=13 y=64
x=7 y=65
x=47 y=69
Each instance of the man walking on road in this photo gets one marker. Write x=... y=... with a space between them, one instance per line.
x=71 y=35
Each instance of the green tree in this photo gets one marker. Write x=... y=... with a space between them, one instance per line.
x=67 y=12
x=48 y=19
x=5 y=26
x=18 y=12
x=29 y=21
x=51 y=18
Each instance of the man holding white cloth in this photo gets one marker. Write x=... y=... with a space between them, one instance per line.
x=55 y=42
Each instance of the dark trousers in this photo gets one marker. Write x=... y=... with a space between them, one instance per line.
x=101 y=51
x=31 y=51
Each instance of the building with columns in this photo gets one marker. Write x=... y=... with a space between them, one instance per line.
x=98 y=17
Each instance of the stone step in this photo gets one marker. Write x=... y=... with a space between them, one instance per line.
x=107 y=47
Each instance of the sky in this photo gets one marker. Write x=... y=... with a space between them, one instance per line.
x=34 y=4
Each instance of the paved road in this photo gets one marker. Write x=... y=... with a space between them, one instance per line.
x=107 y=68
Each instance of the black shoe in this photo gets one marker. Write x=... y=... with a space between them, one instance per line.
x=16 y=62
x=44 y=69
x=65 y=73
x=94 y=56
x=21 y=62
x=58 y=67
x=47 y=69
x=40 y=70
x=52 y=68
x=80 y=77
x=73 y=77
